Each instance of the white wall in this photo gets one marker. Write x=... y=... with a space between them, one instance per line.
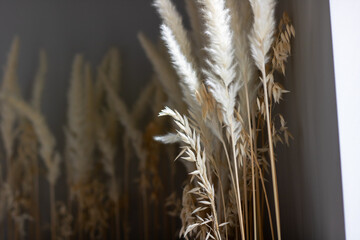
x=345 y=21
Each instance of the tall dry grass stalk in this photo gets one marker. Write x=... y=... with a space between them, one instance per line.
x=93 y=137
x=89 y=159
x=19 y=134
x=9 y=118
x=37 y=90
x=225 y=127
x=47 y=150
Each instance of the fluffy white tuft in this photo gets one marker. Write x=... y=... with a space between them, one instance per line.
x=173 y=20
x=261 y=37
x=184 y=68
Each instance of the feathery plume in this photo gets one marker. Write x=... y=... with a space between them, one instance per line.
x=220 y=77
x=261 y=37
x=184 y=68
x=173 y=20
x=76 y=125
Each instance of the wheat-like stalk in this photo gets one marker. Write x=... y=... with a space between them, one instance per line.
x=173 y=21
x=261 y=39
x=47 y=140
x=205 y=192
x=75 y=130
x=106 y=138
x=37 y=90
x=8 y=115
x=48 y=152
x=240 y=23
x=221 y=77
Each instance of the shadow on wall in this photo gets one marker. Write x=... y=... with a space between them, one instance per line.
x=309 y=170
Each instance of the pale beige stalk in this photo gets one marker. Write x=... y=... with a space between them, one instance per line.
x=261 y=40
x=47 y=149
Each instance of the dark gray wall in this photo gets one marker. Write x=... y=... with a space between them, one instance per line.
x=65 y=28
x=309 y=170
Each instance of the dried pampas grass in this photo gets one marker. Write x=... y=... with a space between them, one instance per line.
x=228 y=110
x=218 y=83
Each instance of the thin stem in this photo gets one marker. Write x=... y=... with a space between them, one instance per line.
x=223 y=203
x=272 y=157
x=221 y=190
x=172 y=185
x=235 y=186
x=266 y=200
x=252 y=156
x=53 y=211
x=260 y=212
x=117 y=218
x=117 y=209
x=257 y=194
x=145 y=209
x=245 y=202
x=36 y=200
x=126 y=187
x=216 y=224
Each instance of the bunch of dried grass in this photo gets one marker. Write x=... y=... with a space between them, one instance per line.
x=22 y=127
x=98 y=195
x=92 y=139
x=225 y=126
x=220 y=78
